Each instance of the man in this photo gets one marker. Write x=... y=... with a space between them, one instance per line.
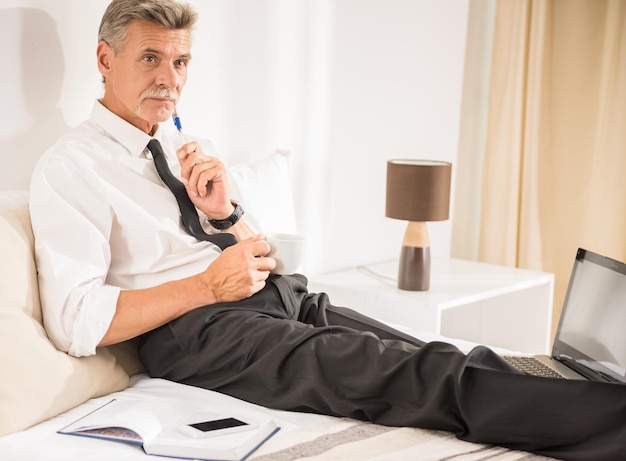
x=116 y=264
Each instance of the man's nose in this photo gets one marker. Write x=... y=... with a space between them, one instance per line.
x=168 y=76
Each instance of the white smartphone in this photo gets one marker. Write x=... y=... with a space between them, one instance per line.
x=216 y=427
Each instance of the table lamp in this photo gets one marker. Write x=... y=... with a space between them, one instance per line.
x=417 y=191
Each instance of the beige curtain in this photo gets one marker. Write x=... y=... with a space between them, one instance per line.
x=554 y=171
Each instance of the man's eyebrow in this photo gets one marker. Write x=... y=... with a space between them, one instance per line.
x=152 y=51
x=159 y=52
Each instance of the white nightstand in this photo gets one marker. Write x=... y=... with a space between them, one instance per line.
x=485 y=303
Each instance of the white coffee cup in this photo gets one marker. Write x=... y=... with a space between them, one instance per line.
x=287 y=250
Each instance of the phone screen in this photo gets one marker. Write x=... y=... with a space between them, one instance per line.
x=207 y=426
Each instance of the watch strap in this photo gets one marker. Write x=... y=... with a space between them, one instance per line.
x=223 y=224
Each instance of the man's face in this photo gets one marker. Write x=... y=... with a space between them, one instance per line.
x=144 y=80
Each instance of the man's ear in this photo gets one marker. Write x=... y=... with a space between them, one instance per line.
x=104 y=54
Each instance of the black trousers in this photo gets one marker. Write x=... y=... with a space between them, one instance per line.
x=287 y=349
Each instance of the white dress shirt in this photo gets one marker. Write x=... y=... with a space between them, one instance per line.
x=103 y=222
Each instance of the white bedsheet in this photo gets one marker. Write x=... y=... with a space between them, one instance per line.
x=302 y=436
x=41 y=442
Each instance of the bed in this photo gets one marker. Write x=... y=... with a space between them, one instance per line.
x=43 y=389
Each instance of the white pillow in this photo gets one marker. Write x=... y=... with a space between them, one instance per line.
x=263 y=188
x=37 y=381
x=13 y=199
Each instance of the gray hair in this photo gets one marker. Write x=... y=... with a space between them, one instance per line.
x=120 y=13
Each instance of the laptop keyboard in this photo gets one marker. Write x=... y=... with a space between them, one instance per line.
x=532 y=366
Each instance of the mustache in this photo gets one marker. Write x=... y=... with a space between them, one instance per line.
x=161 y=93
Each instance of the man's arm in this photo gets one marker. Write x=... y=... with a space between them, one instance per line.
x=239 y=272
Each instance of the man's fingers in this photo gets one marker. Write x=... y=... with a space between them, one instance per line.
x=265 y=263
x=201 y=174
x=187 y=149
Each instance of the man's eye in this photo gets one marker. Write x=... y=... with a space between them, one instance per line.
x=149 y=58
x=181 y=63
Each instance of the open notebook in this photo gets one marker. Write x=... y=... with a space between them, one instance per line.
x=590 y=341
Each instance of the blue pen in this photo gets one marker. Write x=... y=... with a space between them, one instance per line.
x=176 y=120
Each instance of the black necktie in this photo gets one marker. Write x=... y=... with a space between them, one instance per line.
x=188 y=213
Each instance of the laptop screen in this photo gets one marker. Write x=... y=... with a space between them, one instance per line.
x=592 y=329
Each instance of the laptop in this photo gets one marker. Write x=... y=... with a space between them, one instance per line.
x=590 y=341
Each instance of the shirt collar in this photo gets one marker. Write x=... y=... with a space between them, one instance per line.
x=129 y=136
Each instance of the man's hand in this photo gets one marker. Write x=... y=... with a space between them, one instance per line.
x=205 y=180
x=240 y=271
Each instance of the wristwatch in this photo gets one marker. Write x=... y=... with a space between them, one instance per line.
x=223 y=224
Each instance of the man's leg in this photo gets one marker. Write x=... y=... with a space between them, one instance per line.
x=275 y=361
x=316 y=310
x=501 y=408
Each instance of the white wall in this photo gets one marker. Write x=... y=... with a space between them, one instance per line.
x=344 y=84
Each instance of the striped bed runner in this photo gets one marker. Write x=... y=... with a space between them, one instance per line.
x=346 y=439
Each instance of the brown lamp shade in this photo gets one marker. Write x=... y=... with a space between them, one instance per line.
x=418 y=190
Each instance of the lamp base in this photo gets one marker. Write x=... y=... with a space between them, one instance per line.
x=414 y=269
